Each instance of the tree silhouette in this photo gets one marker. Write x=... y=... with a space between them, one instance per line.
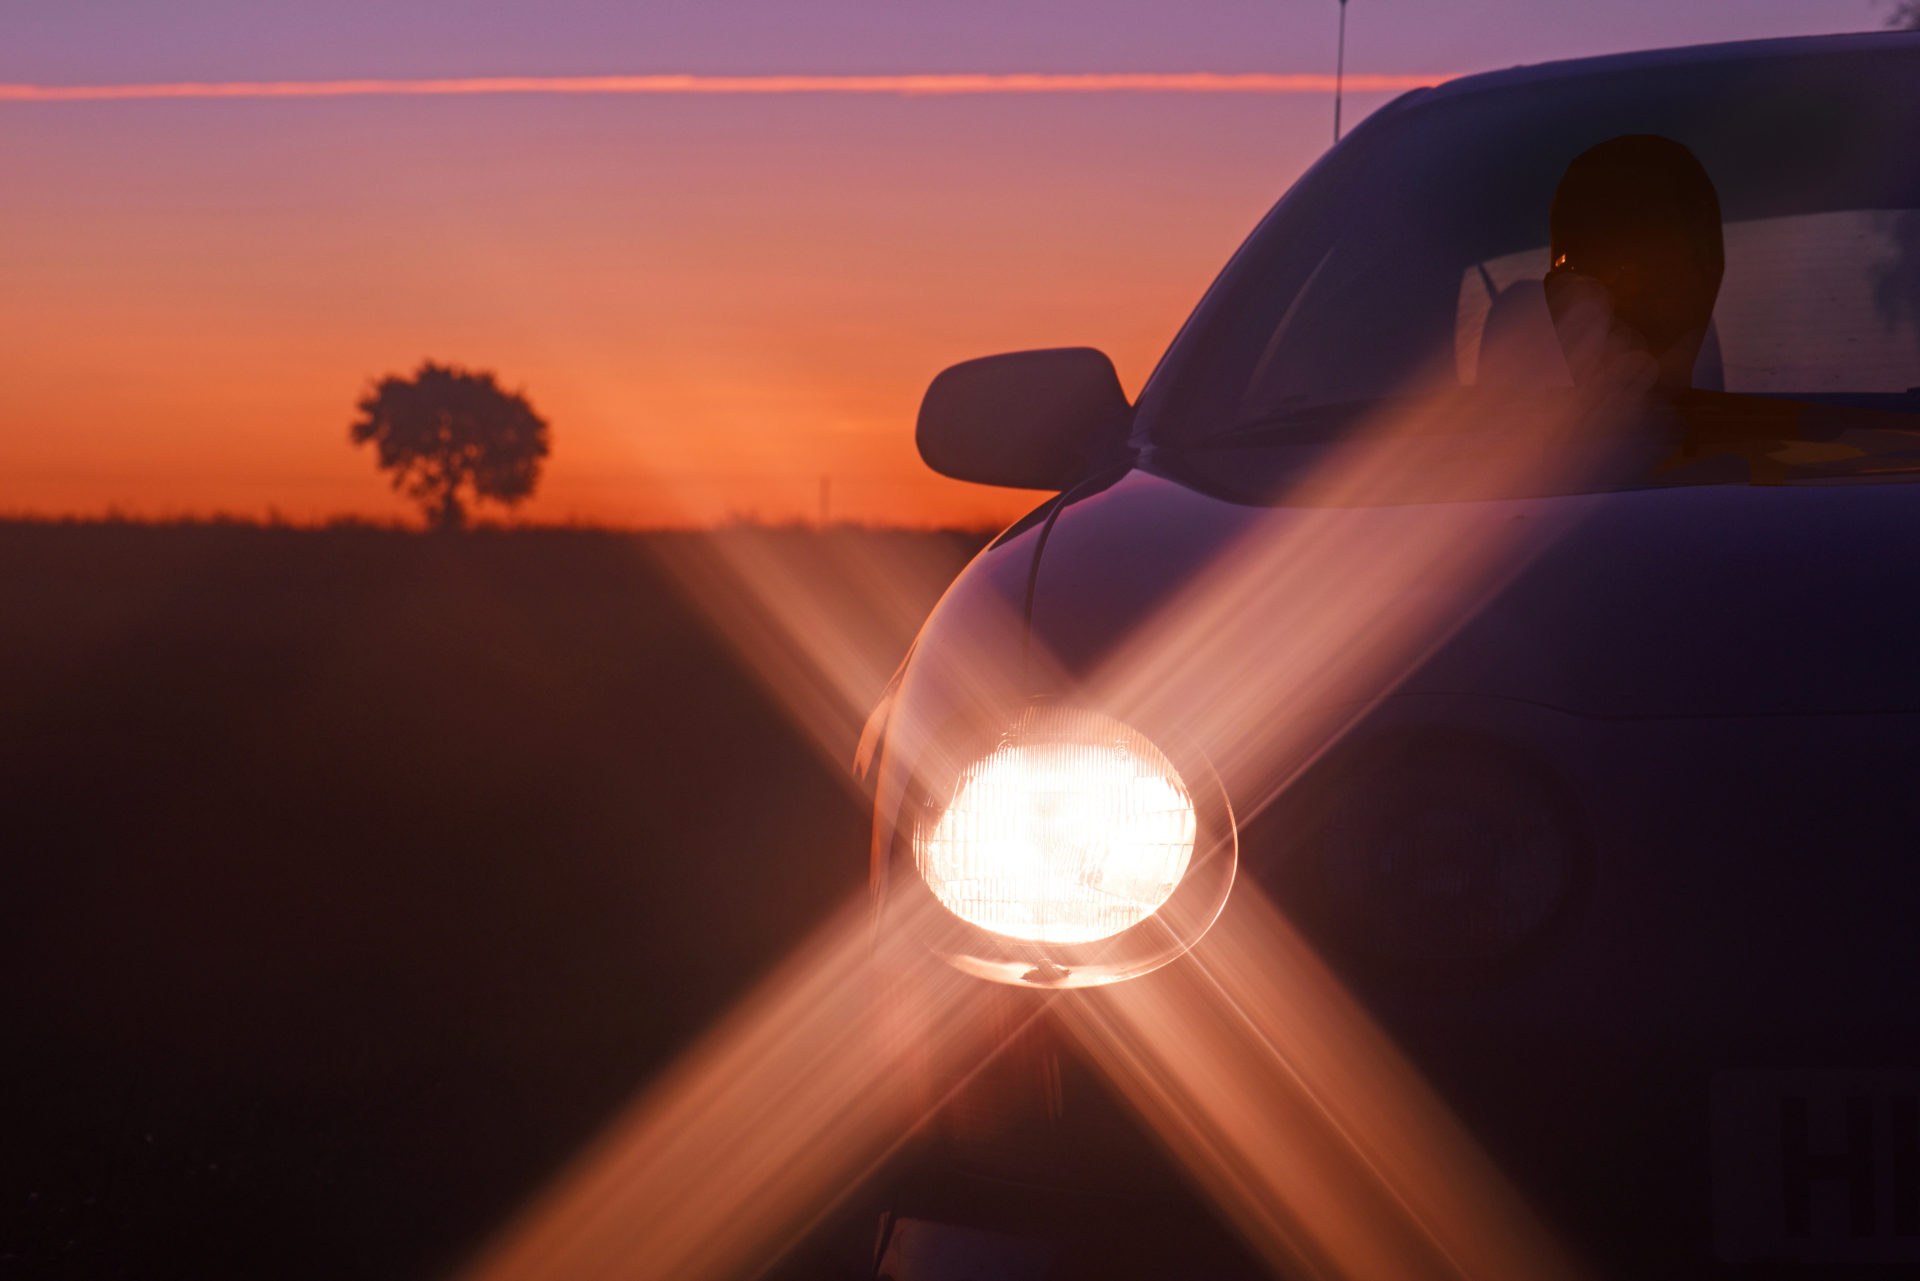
x=447 y=430
x=1905 y=15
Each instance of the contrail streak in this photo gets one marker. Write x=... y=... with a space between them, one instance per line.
x=939 y=85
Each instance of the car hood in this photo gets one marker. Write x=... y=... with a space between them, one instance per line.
x=1684 y=602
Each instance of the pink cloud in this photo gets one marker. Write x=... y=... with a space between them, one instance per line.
x=944 y=84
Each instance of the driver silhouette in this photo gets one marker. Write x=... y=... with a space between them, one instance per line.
x=1635 y=257
x=1635 y=260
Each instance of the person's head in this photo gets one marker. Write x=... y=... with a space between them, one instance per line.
x=1638 y=218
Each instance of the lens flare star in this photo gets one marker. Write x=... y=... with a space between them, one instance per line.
x=1259 y=1074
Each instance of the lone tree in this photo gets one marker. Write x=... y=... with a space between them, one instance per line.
x=448 y=430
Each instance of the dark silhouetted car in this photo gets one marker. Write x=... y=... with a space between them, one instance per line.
x=1592 y=770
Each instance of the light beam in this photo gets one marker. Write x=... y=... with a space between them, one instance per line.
x=1299 y=1120
x=1257 y=1071
x=782 y=1109
x=1318 y=609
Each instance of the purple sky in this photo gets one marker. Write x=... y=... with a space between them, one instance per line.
x=57 y=41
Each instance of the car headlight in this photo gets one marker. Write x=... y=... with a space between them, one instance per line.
x=1072 y=829
x=1072 y=850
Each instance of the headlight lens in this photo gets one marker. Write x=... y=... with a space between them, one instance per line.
x=1071 y=829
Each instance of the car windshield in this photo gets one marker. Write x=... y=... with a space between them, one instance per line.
x=1411 y=261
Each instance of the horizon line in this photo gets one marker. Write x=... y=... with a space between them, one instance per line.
x=913 y=85
x=485 y=524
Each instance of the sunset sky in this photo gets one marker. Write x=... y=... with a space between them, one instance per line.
x=716 y=298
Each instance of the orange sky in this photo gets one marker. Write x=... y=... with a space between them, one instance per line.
x=716 y=302
x=716 y=298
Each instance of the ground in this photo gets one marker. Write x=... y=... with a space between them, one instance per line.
x=353 y=877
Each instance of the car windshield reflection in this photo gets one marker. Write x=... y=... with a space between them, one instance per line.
x=1403 y=283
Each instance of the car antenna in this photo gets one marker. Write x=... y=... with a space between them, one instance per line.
x=1339 y=69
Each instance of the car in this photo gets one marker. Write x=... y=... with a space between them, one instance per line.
x=1568 y=721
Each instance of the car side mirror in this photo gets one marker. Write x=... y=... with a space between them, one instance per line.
x=1027 y=419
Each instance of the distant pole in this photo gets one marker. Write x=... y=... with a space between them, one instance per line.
x=1339 y=69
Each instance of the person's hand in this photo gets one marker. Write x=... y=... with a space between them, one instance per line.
x=1604 y=354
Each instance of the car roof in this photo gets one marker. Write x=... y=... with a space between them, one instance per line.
x=1691 y=57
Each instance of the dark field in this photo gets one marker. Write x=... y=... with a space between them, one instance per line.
x=353 y=877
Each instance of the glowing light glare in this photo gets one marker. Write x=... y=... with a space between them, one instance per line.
x=821 y=618
x=1300 y=1119
x=1247 y=1058
x=1072 y=829
x=780 y=1110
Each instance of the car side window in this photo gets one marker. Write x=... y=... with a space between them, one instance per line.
x=1824 y=303
x=1358 y=294
x=1416 y=264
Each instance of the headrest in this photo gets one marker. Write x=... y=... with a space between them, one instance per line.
x=1518 y=346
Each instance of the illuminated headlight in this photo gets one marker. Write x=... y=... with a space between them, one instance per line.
x=1075 y=842
x=1072 y=829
